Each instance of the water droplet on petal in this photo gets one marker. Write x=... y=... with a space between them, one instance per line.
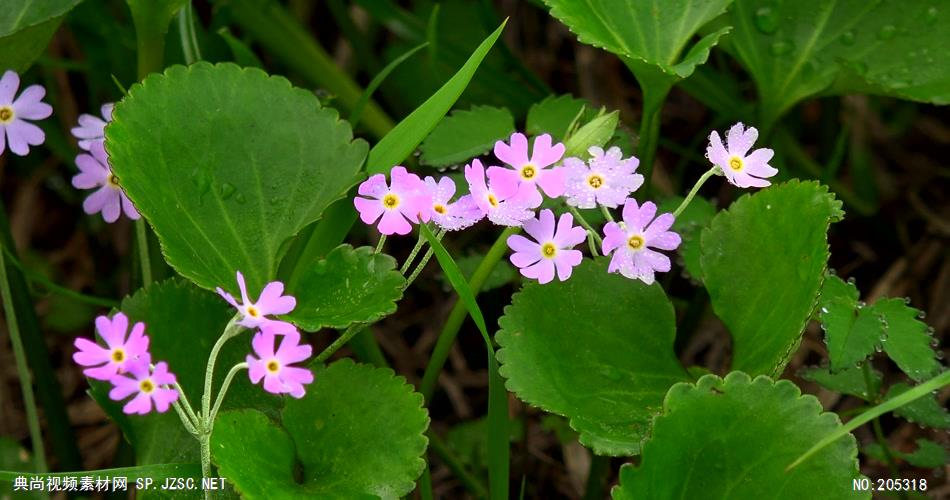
x=887 y=32
x=781 y=47
x=847 y=38
x=766 y=19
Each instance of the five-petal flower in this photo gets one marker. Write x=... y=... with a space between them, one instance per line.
x=552 y=249
x=274 y=366
x=531 y=171
x=271 y=301
x=633 y=241
x=404 y=200
x=120 y=352
x=741 y=168
x=451 y=216
x=606 y=178
x=91 y=128
x=503 y=200
x=151 y=385
x=15 y=129
x=95 y=172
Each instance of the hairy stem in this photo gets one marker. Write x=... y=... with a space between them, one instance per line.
x=224 y=390
x=412 y=255
x=345 y=337
x=583 y=222
x=379 y=245
x=23 y=371
x=692 y=192
x=229 y=331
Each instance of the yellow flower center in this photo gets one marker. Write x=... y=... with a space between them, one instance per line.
x=735 y=163
x=6 y=114
x=492 y=200
x=253 y=312
x=273 y=366
x=439 y=208
x=548 y=250
x=390 y=201
x=595 y=181
x=147 y=386
x=635 y=242
x=113 y=180
x=528 y=172
x=118 y=355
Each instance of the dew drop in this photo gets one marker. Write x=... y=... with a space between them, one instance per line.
x=847 y=38
x=824 y=310
x=921 y=315
x=939 y=354
x=202 y=182
x=226 y=190
x=781 y=47
x=907 y=301
x=766 y=20
x=887 y=32
x=851 y=280
x=240 y=198
x=931 y=16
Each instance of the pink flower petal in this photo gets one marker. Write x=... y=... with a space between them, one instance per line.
x=89 y=353
x=29 y=106
x=525 y=259
x=256 y=369
x=263 y=344
x=665 y=241
x=394 y=222
x=542 y=228
x=122 y=387
x=565 y=263
x=140 y=405
x=543 y=271
x=272 y=300
x=716 y=152
x=113 y=206
x=8 y=87
x=543 y=154
x=516 y=154
x=369 y=210
x=504 y=182
x=128 y=207
x=374 y=187
x=659 y=225
x=552 y=182
x=567 y=234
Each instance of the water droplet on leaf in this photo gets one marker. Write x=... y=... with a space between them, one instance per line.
x=226 y=190
x=240 y=198
x=847 y=38
x=887 y=32
x=781 y=47
x=766 y=20
x=931 y=16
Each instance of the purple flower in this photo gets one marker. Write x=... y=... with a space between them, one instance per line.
x=631 y=242
x=91 y=128
x=741 y=169
x=502 y=200
x=451 y=216
x=606 y=179
x=553 y=249
x=120 y=353
x=14 y=113
x=271 y=301
x=405 y=200
x=530 y=171
x=274 y=367
x=151 y=384
x=95 y=172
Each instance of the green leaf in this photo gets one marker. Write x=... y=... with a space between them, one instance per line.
x=555 y=115
x=852 y=332
x=733 y=438
x=774 y=236
x=466 y=134
x=26 y=27
x=597 y=348
x=847 y=381
x=924 y=411
x=399 y=143
x=498 y=277
x=358 y=432
x=909 y=340
x=270 y=162
x=695 y=217
x=928 y=454
x=348 y=286
x=593 y=133
x=794 y=50
x=650 y=35
x=183 y=324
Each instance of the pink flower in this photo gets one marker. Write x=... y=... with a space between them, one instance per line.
x=95 y=172
x=451 y=216
x=606 y=179
x=14 y=113
x=271 y=301
x=91 y=128
x=274 y=367
x=530 y=171
x=553 y=249
x=632 y=240
x=151 y=384
x=502 y=200
x=741 y=169
x=120 y=353
x=405 y=200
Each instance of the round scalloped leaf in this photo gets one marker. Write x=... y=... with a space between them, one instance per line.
x=733 y=438
x=348 y=286
x=597 y=348
x=763 y=262
x=183 y=323
x=359 y=431
x=226 y=164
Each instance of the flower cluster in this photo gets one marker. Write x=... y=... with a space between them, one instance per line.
x=126 y=363
x=509 y=195
x=272 y=365
x=16 y=112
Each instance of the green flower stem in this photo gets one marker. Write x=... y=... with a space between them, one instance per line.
x=345 y=337
x=692 y=192
x=592 y=243
x=424 y=261
x=19 y=355
x=607 y=214
x=876 y=423
x=205 y=440
x=890 y=405
x=458 y=314
x=379 y=245
x=185 y=419
x=224 y=390
x=412 y=255
x=186 y=30
x=141 y=233
x=186 y=406
x=583 y=222
x=230 y=331
x=649 y=139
